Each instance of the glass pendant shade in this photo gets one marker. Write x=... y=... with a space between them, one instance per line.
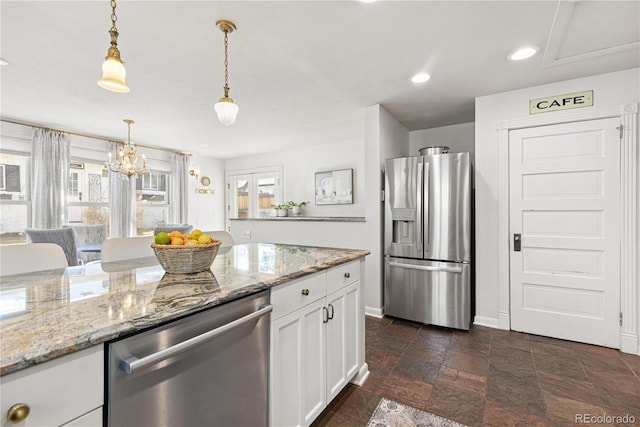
x=113 y=75
x=227 y=111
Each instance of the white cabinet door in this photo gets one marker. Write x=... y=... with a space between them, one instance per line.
x=298 y=373
x=342 y=338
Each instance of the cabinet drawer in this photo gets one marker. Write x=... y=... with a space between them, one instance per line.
x=57 y=391
x=291 y=296
x=342 y=275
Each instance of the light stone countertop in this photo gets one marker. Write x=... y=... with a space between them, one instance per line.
x=49 y=314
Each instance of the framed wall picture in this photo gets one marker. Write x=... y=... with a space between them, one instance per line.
x=334 y=187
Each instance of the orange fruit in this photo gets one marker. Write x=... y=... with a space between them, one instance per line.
x=177 y=241
x=174 y=234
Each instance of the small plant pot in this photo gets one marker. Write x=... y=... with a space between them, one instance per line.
x=295 y=210
x=281 y=212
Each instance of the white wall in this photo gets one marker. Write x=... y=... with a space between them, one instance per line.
x=610 y=90
x=206 y=211
x=299 y=167
x=459 y=138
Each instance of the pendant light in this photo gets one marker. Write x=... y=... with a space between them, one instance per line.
x=226 y=110
x=113 y=72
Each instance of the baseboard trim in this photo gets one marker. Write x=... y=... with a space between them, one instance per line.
x=489 y=322
x=362 y=375
x=374 y=312
x=629 y=344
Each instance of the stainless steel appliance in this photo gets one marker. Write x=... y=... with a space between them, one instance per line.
x=208 y=369
x=428 y=238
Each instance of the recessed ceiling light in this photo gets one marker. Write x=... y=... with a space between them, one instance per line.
x=523 y=53
x=420 y=78
x=4 y=61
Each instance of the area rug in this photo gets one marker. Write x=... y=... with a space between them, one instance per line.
x=393 y=414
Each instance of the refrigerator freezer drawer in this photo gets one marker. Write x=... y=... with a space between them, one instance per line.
x=431 y=292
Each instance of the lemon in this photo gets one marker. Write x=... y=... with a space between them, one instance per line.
x=190 y=242
x=195 y=234
x=162 y=238
x=203 y=239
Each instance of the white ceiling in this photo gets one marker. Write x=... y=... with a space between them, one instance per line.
x=302 y=72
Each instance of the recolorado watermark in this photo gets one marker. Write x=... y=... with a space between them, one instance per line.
x=604 y=419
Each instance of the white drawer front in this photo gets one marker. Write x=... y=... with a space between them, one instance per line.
x=298 y=293
x=342 y=275
x=57 y=391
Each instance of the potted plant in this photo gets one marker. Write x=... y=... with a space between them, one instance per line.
x=296 y=208
x=281 y=210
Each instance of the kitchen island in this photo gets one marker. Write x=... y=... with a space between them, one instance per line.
x=51 y=314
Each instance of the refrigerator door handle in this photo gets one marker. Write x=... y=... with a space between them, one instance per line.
x=425 y=239
x=426 y=267
x=418 y=227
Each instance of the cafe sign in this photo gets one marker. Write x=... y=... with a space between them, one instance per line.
x=561 y=102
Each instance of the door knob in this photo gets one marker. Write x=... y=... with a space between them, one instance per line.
x=347 y=275
x=305 y=292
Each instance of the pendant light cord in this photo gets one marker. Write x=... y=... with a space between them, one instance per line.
x=226 y=64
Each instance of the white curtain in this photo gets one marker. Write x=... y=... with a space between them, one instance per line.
x=49 y=177
x=122 y=201
x=179 y=188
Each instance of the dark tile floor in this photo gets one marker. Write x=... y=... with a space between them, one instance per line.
x=488 y=377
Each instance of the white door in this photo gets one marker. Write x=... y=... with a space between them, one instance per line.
x=565 y=204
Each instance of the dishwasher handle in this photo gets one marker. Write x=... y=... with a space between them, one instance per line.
x=133 y=364
x=426 y=267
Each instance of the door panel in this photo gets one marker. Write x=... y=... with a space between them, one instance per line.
x=429 y=292
x=403 y=210
x=565 y=196
x=447 y=207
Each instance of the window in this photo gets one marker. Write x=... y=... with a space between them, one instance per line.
x=253 y=194
x=150 y=180
x=152 y=201
x=73 y=192
x=87 y=193
x=15 y=206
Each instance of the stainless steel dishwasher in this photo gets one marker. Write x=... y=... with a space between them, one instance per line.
x=207 y=369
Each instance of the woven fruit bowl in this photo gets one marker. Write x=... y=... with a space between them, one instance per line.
x=188 y=258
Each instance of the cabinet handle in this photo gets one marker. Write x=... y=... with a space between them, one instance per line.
x=18 y=413
x=325 y=315
x=331 y=315
x=347 y=275
x=305 y=292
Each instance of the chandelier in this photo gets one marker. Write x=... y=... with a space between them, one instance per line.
x=113 y=72
x=226 y=110
x=127 y=161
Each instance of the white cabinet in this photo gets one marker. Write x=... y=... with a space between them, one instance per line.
x=69 y=389
x=317 y=342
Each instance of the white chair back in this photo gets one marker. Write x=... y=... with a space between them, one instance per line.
x=224 y=236
x=125 y=248
x=26 y=258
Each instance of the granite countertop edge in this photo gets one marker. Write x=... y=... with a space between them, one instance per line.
x=97 y=337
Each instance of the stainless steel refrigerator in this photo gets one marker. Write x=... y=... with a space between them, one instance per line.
x=428 y=238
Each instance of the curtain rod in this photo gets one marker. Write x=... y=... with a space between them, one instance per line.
x=85 y=135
